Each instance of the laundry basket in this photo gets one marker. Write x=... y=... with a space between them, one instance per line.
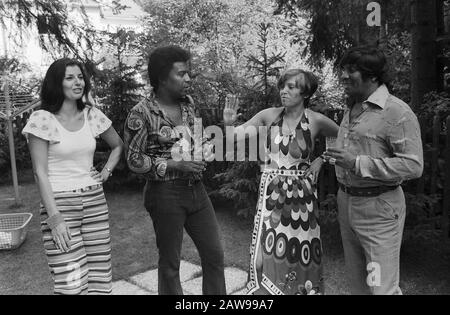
x=13 y=230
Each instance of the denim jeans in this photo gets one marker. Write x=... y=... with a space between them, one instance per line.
x=174 y=207
x=372 y=231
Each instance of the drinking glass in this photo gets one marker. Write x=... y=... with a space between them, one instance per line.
x=330 y=142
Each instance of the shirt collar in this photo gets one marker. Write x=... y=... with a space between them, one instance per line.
x=379 y=97
x=154 y=107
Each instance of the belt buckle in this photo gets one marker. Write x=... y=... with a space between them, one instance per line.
x=344 y=189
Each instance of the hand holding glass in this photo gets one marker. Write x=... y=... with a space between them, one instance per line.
x=331 y=142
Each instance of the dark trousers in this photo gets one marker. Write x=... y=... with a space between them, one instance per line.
x=172 y=207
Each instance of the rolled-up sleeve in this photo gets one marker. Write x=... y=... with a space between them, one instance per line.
x=406 y=163
x=136 y=138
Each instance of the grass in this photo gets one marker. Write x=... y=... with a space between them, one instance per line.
x=425 y=264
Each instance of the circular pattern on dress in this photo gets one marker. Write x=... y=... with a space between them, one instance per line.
x=293 y=251
x=305 y=254
x=316 y=251
x=269 y=241
x=281 y=246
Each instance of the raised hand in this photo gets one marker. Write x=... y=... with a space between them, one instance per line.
x=230 y=111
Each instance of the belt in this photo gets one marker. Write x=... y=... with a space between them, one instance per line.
x=184 y=182
x=284 y=172
x=86 y=189
x=366 y=191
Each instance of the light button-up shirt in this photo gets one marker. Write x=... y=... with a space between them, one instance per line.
x=386 y=139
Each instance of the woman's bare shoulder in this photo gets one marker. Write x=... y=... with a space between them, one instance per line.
x=270 y=114
x=315 y=115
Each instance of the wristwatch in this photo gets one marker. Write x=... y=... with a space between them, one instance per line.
x=161 y=169
x=109 y=171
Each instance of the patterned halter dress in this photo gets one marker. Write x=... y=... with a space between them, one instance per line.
x=286 y=249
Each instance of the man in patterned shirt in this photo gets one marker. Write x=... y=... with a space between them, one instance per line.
x=378 y=147
x=174 y=194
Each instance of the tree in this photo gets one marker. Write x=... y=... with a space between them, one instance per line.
x=50 y=21
x=119 y=89
x=336 y=25
x=265 y=66
x=118 y=86
x=424 y=31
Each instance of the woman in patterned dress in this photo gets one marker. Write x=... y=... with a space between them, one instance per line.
x=286 y=250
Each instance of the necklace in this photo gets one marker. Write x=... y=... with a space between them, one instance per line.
x=293 y=134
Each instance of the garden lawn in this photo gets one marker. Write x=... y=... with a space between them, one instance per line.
x=425 y=264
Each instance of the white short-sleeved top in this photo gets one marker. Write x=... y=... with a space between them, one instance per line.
x=70 y=154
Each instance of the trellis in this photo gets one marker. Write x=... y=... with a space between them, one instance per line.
x=13 y=105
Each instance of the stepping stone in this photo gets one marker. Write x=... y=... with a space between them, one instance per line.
x=149 y=280
x=236 y=281
x=189 y=271
x=193 y=287
x=126 y=288
x=242 y=292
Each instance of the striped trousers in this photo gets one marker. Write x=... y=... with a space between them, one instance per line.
x=86 y=268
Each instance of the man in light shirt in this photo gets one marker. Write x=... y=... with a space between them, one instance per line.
x=378 y=148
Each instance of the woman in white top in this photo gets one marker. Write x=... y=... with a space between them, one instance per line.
x=74 y=214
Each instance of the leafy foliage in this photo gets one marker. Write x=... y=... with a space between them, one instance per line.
x=118 y=90
x=435 y=104
x=265 y=66
x=118 y=87
x=398 y=49
x=240 y=184
x=336 y=25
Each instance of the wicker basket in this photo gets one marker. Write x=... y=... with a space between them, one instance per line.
x=13 y=230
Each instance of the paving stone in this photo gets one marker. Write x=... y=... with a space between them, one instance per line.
x=190 y=275
x=189 y=271
x=242 y=292
x=149 y=280
x=126 y=288
x=193 y=287
x=236 y=279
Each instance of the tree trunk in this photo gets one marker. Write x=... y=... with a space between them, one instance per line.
x=440 y=65
x=424 y=64
x=382 y=42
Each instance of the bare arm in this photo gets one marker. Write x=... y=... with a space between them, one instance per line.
x=116 y=144
x=327 y=126
x=39 y=157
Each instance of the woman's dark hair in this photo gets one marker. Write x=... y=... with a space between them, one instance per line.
x=308 y=88
x=369 y=60
x=161 y=61
x=52 y=94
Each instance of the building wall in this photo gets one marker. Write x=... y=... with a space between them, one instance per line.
x=100 y=15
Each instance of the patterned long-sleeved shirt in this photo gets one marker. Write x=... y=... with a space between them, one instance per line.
x=387 y=141
x=150 y=136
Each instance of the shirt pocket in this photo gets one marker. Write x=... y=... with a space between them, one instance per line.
x=370 y=142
